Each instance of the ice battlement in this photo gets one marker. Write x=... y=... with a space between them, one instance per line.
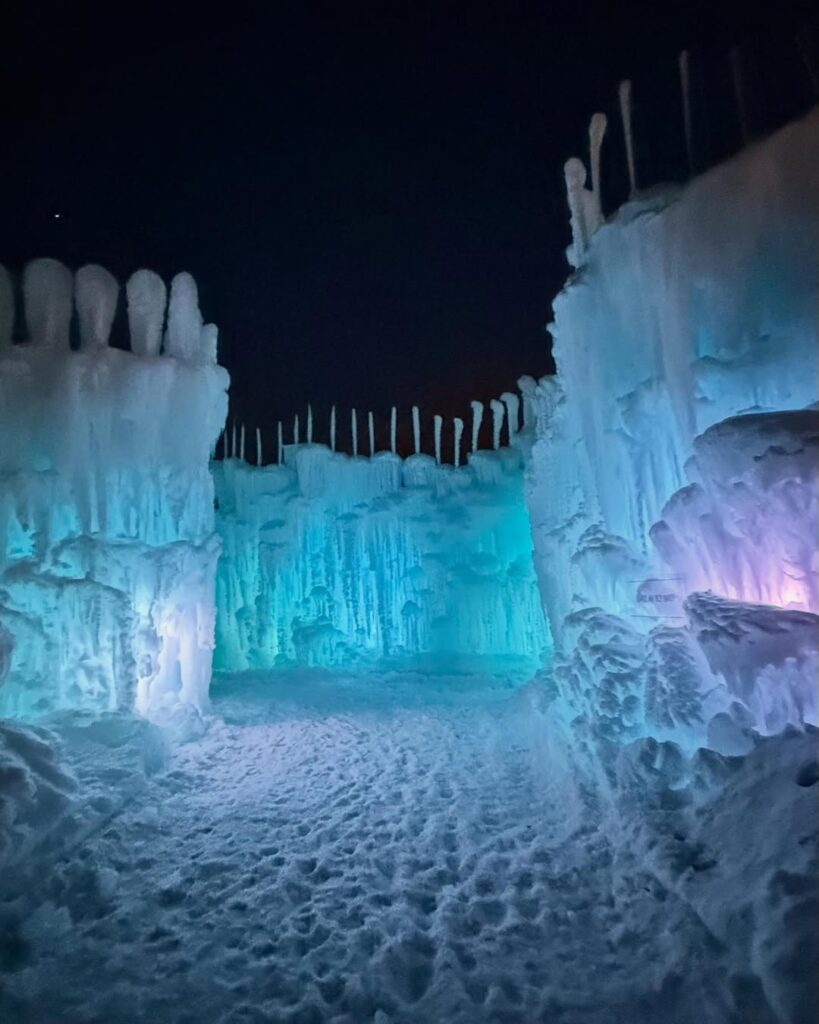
x=99 y=408
x=509 y=424
x=109 y=549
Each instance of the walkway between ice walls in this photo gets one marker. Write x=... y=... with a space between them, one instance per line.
x=108 y=548
x=672 y=486
x=666 y=480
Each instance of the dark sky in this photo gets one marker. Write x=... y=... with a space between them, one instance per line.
x=369 y=194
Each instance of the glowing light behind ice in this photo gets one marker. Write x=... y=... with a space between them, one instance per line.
x=109 y=554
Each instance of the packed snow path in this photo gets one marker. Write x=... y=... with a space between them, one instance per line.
x=353 y=852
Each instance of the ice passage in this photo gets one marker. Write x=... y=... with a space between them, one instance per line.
x=521 y=728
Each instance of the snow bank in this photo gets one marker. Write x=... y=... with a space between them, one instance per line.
x=106 y=512
x=35 y=791
x=735 y=837
x=331 y=560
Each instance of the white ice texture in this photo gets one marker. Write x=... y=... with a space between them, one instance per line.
x=109 y=551
x=673 y=484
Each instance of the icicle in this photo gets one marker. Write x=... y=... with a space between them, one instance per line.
x=393 y=428
x=279 y=443
x=332 y=428
x=597 y=129
x=309 y=423
x=497 y=421
x=233 y=441
x=437 y=424
x=685 y=86
x=625 y=113
x=371 y=430
x=574 y=171
x=296 y=430
x=354 y=430
x=739 y=93
x=512 y=403
x=258 y=447
x=242 y=443
x=458 y=424
x=416 y=429
x=477 y=419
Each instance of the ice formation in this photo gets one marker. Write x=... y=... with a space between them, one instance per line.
x=332 y=560
x=630 y=835
x=109 y=551
x=673 y=483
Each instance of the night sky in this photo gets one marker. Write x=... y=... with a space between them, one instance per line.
x=370 y=196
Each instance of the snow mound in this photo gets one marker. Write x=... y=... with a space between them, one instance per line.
x=35 y=790
x=736 y=839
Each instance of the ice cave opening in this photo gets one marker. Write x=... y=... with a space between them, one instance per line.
x=517 y=727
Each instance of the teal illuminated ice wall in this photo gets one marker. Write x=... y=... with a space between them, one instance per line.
x=107 y=544
x=333 y=560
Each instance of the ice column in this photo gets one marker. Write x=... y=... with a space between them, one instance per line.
x=371 y=432
x=477 y=418
x=625 y=113
x=95 y=292
x=497 y=422
x=354 y=431
x=437 y=424
x=597 y=129
x=147 y=298
x=332 y=428
x=416 y=429
x=512 y=403
x=458 y=425
x=393 y=427
x=685 y=87
x=48 y=289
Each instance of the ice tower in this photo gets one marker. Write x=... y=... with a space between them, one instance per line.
x=106 y=511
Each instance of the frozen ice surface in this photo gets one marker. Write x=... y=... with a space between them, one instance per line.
x=107 y=548
x=693 y=306
x=329 y=560
x=401 y=848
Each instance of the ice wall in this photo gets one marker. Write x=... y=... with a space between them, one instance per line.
x=108 y=550
x=675 y=454
x=328 y=560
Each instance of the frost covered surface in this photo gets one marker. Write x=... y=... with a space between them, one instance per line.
x=328 y=560
x=693 y=306
x=106 y=508
x=433 y=857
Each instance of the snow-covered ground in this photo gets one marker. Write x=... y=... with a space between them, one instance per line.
x=405 y=849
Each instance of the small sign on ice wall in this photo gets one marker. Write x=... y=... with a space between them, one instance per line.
x=659 y=597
